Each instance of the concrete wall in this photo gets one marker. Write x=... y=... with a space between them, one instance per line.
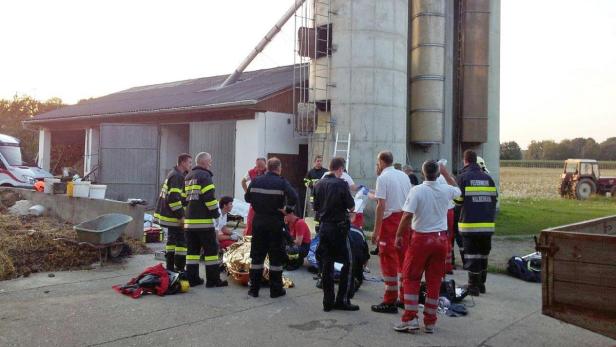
x=269 y=132
x=78 y=210
x=369 y=70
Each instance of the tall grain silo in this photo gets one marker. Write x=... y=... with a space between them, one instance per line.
x=419 y=77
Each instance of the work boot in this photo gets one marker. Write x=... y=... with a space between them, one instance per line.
x=276 y=289
x=180 y=262
x=212 y=275
x=482 y=284
x=255 y=282
x=346 y=306
x=384 y=308
x=192 y=273
x=474 y=280
x=169 y=257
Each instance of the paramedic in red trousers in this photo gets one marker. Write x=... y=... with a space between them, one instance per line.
x=199 y=223
x=332 y=204
x=476 y=224
x=426 y=205
x=258 y=170
x=269 y=195
x=392 y=187
x=170 y=211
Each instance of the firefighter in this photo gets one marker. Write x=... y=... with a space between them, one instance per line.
x=476 y=224
x=392 y=187
x=316 y=173
x=267 y=194
x=170 y=211
x=332 y=204
x=199 y=219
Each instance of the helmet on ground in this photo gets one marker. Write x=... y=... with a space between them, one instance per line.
x=482 y=164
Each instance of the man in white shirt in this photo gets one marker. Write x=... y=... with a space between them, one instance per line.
x=225 y=236
x=392 y=187
x=427 y=206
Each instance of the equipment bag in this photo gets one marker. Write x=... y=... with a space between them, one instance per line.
x=154 y=280
x=527 y=268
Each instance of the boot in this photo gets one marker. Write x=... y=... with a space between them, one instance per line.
x=482 y=284
x=276 y=289
x=169 y=257
x=180 y=262
x=255 y=282
x=212 y=276
x=192 y=273
x=474 y=280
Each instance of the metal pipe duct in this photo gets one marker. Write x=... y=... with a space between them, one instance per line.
x=473 y=69
x=262 y=44
x=427 y=70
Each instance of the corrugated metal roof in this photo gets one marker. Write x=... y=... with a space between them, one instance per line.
x=201 y=92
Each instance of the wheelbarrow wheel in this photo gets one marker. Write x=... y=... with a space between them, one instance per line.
x=115 y=251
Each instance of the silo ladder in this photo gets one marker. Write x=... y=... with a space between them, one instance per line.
x=342 y=152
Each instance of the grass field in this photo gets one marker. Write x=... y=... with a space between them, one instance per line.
x=530 y=202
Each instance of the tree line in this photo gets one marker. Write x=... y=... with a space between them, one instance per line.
x=14 y=111
x=579 y=147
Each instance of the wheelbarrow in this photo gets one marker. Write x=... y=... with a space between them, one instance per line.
x=103 y=234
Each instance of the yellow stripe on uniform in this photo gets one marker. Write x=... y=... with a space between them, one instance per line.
x=207 y=188
x=175 y=204
x=175 y=190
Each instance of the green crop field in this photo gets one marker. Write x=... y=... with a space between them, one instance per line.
x=529 y=202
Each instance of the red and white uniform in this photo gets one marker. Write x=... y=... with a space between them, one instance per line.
x=428 y=202
x=392 y=186
x=252 y=174
x=450 y=231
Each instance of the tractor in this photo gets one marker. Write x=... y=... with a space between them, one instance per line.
x=581 y=179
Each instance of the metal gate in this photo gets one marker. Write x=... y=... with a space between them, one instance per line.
x=218 y=139
x=128 y=161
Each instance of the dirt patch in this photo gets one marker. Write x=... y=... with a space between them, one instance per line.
x=27 y=245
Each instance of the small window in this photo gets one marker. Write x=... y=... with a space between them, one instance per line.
x=595 y=169
x=570 y=167
x=586 y=169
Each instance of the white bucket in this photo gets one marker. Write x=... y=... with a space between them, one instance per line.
x=49 y=185
x=81 y=189
x=97 y=191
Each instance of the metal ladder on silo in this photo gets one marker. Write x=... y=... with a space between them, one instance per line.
x=346 y=152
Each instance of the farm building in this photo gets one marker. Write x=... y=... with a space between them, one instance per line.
x=419 y=78
x=132 y=138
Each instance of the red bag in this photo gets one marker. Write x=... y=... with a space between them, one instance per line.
x=135 y=290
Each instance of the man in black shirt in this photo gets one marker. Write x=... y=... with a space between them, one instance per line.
x=411 y=173
x=316 y=173
x=332 y=204
x=267 y=195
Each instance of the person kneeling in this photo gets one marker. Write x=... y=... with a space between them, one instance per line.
x=226 y=237
x=299 y=246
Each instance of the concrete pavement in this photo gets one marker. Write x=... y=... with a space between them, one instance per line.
x=80 y=309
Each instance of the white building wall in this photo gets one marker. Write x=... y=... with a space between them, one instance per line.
x=269 y=132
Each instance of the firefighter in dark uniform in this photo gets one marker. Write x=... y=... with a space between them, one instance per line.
x=332 y=204
x=476 y=223
x=267 y=195
x=170 y=211
x=201 y=212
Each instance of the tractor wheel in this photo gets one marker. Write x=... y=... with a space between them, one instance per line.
x=584 y=188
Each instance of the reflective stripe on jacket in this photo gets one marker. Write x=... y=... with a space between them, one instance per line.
x=171 y=201
x=478 y=201
x=201 y=203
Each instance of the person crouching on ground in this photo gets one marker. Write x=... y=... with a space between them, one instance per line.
x=226 y=237
x=426 y=205
x=300 y=235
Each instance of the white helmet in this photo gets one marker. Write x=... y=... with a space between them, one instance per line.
x=482 y=164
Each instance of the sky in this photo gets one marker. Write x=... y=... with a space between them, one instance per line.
x=558 y=57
